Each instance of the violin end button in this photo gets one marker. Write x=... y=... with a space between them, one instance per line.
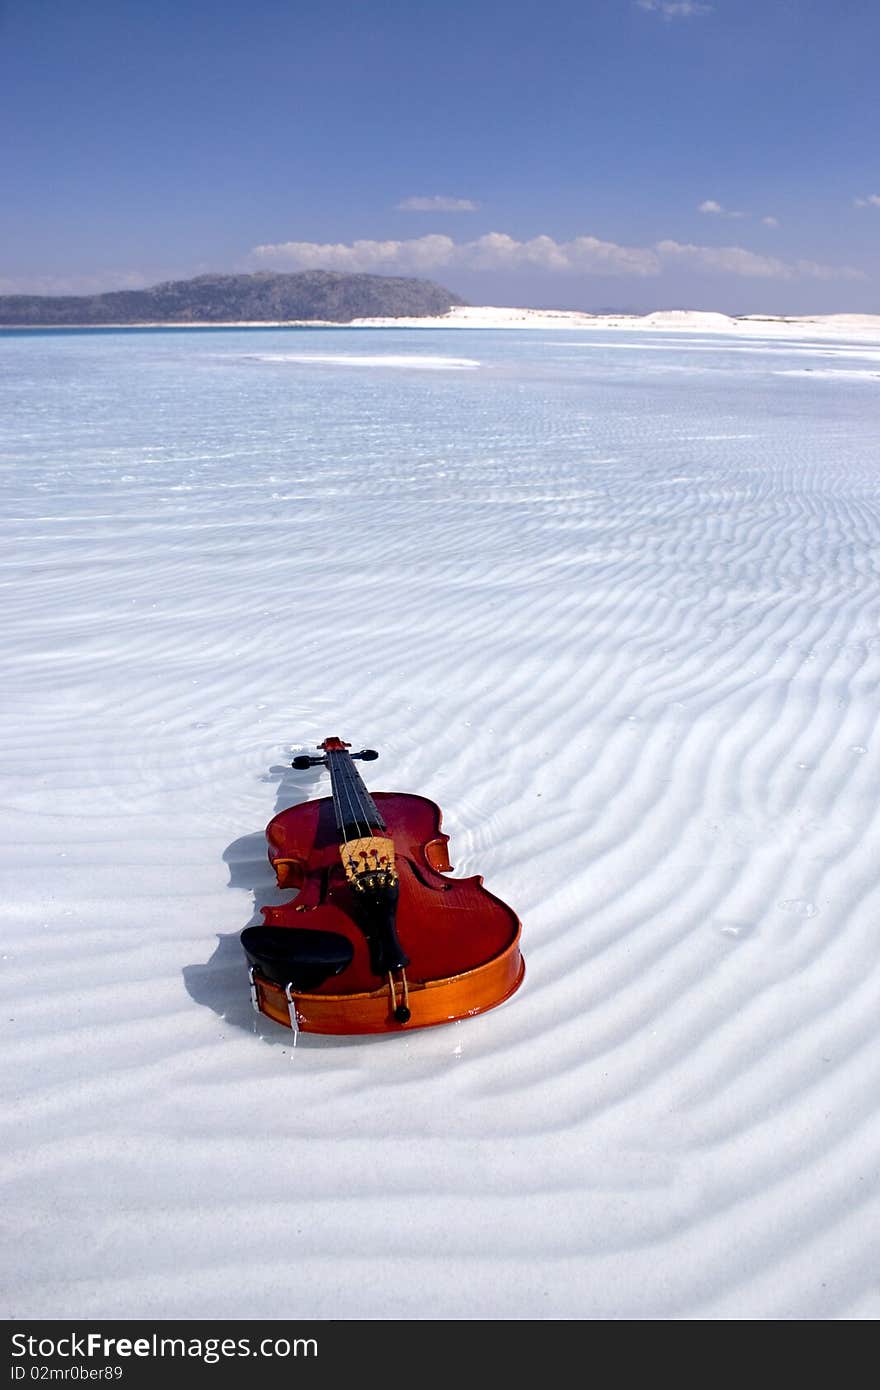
x=402 y=1014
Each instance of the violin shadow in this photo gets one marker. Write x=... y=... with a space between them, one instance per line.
x=221 y=983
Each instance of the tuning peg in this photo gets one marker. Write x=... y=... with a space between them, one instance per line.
x=368 y=754
x=303 y=760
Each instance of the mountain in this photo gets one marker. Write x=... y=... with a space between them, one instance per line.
x=263 y=297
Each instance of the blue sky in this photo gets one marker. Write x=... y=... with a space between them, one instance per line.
x=630 y=154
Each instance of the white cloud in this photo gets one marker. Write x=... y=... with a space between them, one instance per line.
x=736 y=260
x=809 y=270
x=732 y=260
x=584 y=255
x=437 y=204
x=872 y=200
x=675 y=9
x=717 y=210
x=419 y=254
x=494 y=251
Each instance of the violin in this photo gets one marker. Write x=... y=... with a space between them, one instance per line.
x=378 y=939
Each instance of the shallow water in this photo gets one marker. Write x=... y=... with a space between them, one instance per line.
x=613 y=601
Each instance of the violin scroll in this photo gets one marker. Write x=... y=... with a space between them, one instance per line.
x=304 y=760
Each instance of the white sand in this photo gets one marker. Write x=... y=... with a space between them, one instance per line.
x=682 y=320
x=409 y=362
x=627 y=636
x=852 y=327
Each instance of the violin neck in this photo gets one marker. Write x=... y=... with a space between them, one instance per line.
x=357 y=816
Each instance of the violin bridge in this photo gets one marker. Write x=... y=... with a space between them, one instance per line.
x=369 y=862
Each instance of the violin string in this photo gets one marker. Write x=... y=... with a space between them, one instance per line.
x=351 y=796
x=340 y=782
x=369 y=811
x=353 y=806
x=336 y=790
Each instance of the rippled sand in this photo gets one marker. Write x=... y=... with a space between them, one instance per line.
x=616 y=608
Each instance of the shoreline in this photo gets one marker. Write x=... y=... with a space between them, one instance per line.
x=565 y=320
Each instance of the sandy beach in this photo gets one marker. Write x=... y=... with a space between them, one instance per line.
x=848 y=327
x=612 y=600
x=664 y=320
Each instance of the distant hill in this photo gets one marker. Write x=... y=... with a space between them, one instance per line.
x=263 y=297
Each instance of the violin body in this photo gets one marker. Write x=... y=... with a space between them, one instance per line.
x=444 y=948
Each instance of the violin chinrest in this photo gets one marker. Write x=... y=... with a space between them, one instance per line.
x=296 y=956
